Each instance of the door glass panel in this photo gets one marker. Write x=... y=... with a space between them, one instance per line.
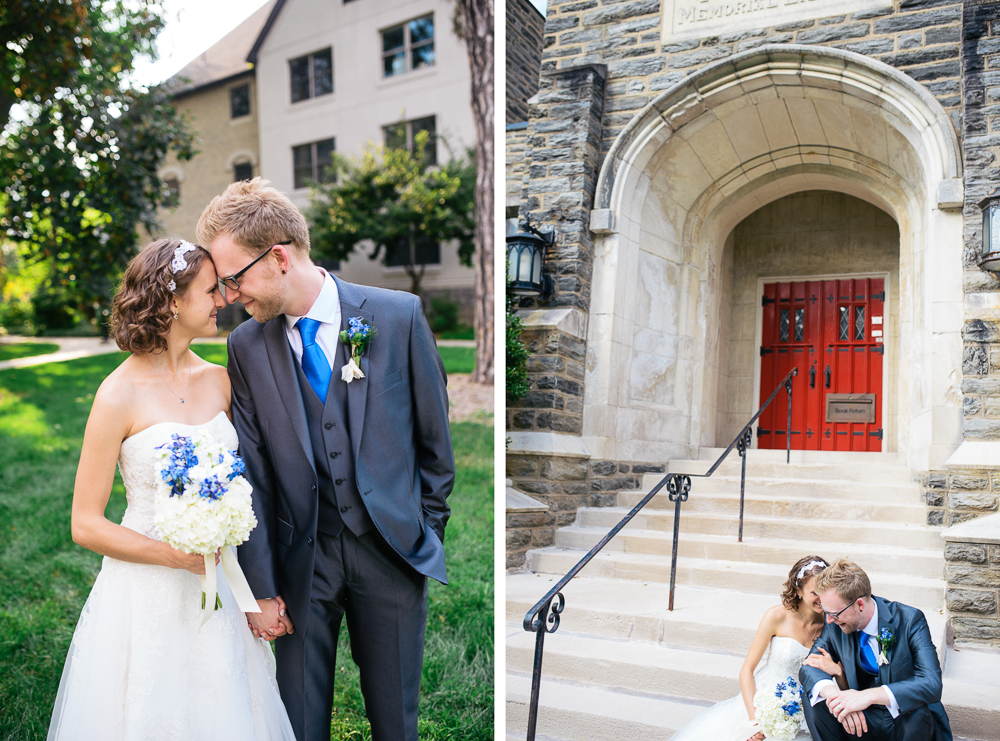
x=800 y=324
x=859 y=322
x=845 y=324
x=783 y=328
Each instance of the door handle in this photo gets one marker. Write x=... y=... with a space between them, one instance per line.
x=828 y=376
x=812 y=377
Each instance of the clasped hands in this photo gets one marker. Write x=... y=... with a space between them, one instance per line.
x=272 y=621
x=848 y=707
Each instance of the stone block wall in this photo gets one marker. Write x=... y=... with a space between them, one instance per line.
x=957 y=496
x=555 y=371
x=562 y=157
x=919 y=37
x=561 y=482
x=972 y=571
x=525 y=531
x=524 y=56
x=516 y=136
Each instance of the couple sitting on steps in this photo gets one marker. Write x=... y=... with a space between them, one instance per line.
x=871 y=671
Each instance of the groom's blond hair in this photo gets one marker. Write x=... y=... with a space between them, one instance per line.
x=255 y=215
x=845 y=578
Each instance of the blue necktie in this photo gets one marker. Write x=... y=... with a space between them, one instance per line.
x=866 y=656
x=314 y=361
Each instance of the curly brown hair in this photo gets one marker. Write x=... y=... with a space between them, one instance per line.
x=789 y=596
x=140 y=310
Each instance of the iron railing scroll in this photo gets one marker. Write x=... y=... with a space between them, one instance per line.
x=544 y=616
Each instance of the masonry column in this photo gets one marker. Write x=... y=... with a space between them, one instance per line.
x=546 y=457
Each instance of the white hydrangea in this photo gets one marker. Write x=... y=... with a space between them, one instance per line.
x=778 y=709
x=207 y=510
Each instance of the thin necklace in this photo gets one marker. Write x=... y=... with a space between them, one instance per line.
x=186 y=386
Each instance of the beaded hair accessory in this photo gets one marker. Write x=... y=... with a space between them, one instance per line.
x=808 y=566
x=179 y=263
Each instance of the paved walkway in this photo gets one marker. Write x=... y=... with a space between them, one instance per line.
x=71 y=348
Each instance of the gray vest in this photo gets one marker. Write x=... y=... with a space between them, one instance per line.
x=339 y=501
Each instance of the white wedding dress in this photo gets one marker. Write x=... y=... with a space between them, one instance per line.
x=727 y=720
x=141 y=666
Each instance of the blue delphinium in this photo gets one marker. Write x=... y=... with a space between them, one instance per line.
x=182 y=459
x=238 y=468
x=212 y=488
x=791 y=708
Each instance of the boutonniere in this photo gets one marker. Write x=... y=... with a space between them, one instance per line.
x=357 y=337
x=885 y=640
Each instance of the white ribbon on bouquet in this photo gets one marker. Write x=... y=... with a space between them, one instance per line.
x=237 y=583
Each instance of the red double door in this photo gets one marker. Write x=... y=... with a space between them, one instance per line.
x=833 y=332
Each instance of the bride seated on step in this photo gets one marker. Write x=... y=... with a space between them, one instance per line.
x=787 y=632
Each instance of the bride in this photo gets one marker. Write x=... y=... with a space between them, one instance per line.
x=788 y=631
x=140 y=664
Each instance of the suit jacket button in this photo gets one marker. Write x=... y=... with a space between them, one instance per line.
x=338 y=482
x=309 y=541
x=344 y=508
x=328 y=426
x=314 y=487
x=334 y=455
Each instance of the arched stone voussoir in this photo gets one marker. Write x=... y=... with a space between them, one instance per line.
x=820 y=73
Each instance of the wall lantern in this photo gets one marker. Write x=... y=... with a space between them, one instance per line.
x=991 y=232
x=526 y=259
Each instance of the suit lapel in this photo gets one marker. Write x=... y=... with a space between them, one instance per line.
x=279 y=354
x=351 y=302
x=886 y=619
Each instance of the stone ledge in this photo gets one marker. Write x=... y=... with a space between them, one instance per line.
x=980 y=530
x=518 y=501
x=977 y=454
x=547 y=443
x=569 y=321
x=951 y=193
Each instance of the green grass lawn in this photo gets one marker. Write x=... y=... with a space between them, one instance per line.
x=45 y=578
x=15 y=350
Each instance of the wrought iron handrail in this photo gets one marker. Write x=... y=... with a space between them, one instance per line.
x=544 y=616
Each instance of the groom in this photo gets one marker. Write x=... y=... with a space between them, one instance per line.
x=889 y=663
x=350 y=474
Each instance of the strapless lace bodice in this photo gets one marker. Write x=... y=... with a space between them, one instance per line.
x=783 y=659
x=139 y=463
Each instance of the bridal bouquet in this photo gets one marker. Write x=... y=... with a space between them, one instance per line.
x=201 y=505
x=779 y=710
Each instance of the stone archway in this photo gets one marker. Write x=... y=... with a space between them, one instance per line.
x=703 y=156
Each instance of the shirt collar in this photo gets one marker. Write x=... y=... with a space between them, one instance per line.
x=325 y=307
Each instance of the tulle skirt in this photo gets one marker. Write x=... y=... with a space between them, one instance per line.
x=141 y=665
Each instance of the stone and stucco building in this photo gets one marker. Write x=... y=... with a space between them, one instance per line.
x=691 y=153
x=300 y=79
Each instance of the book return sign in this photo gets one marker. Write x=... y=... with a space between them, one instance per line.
x=686 y=19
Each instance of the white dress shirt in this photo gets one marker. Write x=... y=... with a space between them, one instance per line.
x=870 y=631
x=325 y=309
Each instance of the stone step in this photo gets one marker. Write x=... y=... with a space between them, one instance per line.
x=571 y=712
x=776 y=503
x=805 y=488
x=845 y=458
x=860 y=471
x=887 y=559
x=722 y=575
x=779 y=528
x=691 y=677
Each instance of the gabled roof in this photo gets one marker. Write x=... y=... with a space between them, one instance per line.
x=252 y=56
x=225 y=59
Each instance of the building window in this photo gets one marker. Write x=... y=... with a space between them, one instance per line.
x=174 y=185
x=312 y=162
x=408 y=46
x=312 y=75
x=239 y=101
x=403 y=135
x=426 y=252
x=242 y=171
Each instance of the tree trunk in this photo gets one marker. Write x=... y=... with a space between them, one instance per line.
x=477 y=30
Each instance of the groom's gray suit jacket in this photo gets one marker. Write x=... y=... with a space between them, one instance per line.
x=913 y=672
x=400 y=439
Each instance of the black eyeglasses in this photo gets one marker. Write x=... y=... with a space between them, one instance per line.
x=232 y=282
x=835 y=615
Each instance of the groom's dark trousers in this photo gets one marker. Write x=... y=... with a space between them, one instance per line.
x=350 y=496
x=912 y=673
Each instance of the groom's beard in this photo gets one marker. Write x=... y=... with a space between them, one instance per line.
x=266 y=306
